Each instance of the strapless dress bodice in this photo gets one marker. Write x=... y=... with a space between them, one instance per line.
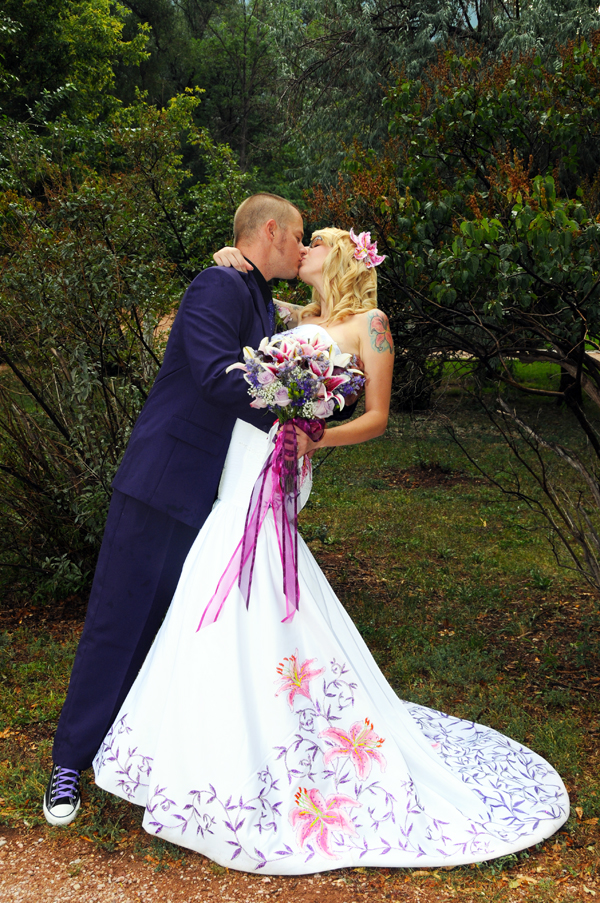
x=308 y=331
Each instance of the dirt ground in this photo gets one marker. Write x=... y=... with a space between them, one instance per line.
x=39 y=865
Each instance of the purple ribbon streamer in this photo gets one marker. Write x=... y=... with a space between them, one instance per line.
x=276 y=488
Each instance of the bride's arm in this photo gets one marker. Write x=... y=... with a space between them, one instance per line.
x=233 y=257
x=377 y=353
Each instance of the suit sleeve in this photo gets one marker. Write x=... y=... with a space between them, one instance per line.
x=218 y=316
x=346 y=412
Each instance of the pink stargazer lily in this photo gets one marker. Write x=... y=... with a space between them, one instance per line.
x=324 y=395
x=334 y=381
x=295 y=678
x=318 y=344
x=366 y=250
x=361 y=744
x=312 y=348
x=316 y=817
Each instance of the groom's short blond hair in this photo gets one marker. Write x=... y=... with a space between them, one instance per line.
x=257 y=210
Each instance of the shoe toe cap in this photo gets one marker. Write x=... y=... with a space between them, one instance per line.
x=61 y=813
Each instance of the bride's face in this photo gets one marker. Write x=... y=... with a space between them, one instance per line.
x=311 y=268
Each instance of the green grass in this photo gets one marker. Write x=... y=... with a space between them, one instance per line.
x=538 y=375
x=456 y=590
x=452 y=584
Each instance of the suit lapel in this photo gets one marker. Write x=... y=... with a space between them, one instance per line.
x=259 y=304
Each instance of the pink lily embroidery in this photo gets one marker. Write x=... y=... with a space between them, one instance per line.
x=361 y=744
x=316 y=817
x=296 y=678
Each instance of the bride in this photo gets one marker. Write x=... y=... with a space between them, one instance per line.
x=280 y=747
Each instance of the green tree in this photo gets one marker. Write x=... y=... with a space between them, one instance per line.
x=173 y=61
x=487 y=202
x=241 y=79
x=99 y=235
x=63 y=53
x=230 y=50
x=343 y=55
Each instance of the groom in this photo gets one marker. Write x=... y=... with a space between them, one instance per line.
x=168 y=480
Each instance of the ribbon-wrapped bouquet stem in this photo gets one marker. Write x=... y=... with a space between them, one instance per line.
x=303 y=382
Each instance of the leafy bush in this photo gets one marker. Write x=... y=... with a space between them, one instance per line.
x=486 y=201
x=97 y=241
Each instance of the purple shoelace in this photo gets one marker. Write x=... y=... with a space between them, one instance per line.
x=65 y=784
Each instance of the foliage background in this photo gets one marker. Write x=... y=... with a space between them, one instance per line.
x=465 y=136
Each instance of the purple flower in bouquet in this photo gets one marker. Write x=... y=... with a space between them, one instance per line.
x=299 y=378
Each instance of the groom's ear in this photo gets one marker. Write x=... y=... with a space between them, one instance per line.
x=269 y=230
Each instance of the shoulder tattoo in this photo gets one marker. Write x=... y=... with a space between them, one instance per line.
x=379 y=332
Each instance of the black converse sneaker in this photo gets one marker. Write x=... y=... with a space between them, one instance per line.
x=63 y=796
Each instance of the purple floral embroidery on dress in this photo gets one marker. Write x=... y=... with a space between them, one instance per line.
x=133 y=768
x=232 y=814
x=523 y=791
x=340 y=808
x=305 y=759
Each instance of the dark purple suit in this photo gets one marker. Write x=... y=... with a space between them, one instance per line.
x=164 y=490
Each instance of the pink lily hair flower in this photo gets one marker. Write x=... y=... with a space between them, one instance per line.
x=295 y=678
x=315 y=817
x=366 y=250
x=361 y=745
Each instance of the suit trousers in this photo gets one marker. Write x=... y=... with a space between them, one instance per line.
x=140 y=561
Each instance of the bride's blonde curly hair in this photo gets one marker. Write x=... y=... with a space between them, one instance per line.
x=351 y=286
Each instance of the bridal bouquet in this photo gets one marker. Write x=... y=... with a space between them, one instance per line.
x=302 y=382
x=299 y=379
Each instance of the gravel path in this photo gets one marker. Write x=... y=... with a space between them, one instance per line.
x=38 y=866
x=35 y=868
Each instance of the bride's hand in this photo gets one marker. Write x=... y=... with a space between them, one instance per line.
x=232 y=257
x=304 y=443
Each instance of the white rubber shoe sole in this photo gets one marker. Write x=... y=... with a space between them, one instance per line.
x=62 y=814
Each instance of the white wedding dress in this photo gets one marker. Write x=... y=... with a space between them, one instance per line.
x=281 y=747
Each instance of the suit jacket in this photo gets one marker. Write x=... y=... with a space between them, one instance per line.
x=177 y=449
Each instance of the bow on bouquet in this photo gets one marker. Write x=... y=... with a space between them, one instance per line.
x=303 y=382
